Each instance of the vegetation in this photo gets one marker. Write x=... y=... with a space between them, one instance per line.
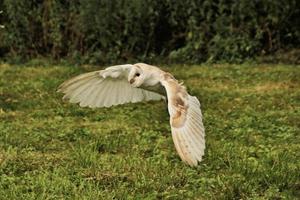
x=54 y=150
x=193 y=31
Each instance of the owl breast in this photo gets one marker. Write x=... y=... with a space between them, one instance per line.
x=158 y=88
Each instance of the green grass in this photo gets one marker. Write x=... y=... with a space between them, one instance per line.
x=50 y=149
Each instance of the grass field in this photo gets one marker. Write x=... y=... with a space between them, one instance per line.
x=50 y=149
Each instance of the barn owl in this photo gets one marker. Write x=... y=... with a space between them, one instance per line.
x=132 y=83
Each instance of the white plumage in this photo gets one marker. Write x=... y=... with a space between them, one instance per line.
x=129 y=83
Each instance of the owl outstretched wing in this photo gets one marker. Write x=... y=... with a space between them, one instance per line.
x=185 y=120
x=105 y=88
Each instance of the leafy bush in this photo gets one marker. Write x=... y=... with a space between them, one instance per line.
x=93 y=31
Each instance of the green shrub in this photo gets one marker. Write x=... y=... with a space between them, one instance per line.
x=101 y=31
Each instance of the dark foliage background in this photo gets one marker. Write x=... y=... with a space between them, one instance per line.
x=191 y=31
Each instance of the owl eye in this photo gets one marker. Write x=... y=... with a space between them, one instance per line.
x=137 y=74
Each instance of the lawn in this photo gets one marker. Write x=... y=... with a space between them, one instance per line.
x=50 y=149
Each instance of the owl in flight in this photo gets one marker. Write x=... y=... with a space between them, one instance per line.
x=129 y=83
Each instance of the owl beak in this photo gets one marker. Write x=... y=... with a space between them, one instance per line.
x=131 y=81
